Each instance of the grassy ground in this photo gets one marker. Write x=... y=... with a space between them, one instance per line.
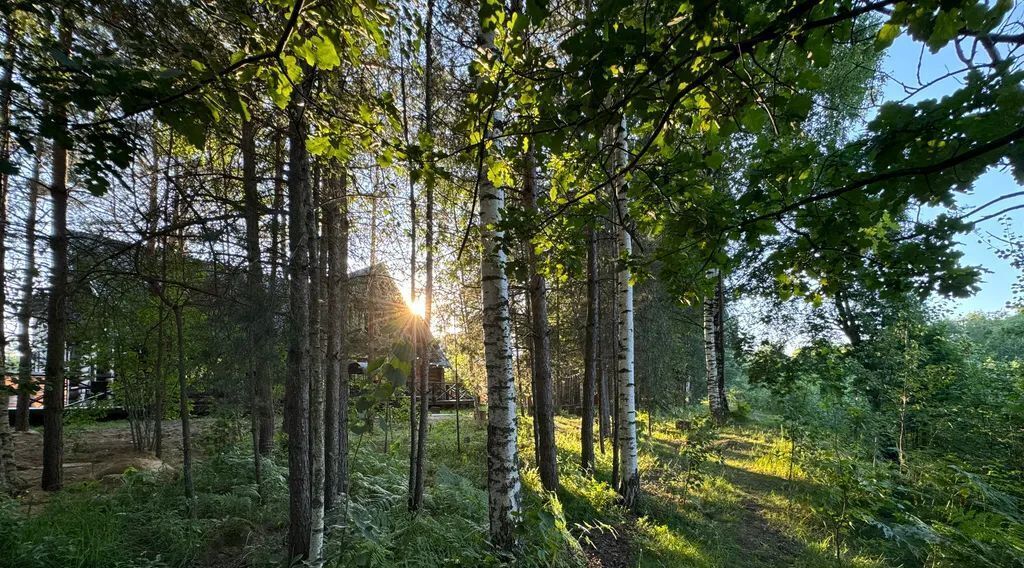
x=710 y=498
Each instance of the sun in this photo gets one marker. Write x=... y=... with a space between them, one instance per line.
x=416 y=306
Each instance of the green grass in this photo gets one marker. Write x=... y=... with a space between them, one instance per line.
x=711 y=498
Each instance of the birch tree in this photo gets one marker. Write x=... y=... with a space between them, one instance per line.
x=711 y=320
x=629 y=485
x=504 y=487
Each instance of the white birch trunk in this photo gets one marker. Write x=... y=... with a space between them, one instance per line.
x=503 y=482
x=711 y=353
x=629 y=486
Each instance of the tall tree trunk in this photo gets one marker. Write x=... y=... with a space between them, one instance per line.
x=8 y=471
x=186 y=430
x=26 y=388
x=413 y=424
x=57 y=309
x=299 y=357
x=156 y=293
x=711 y=354
x=316 y=381
x=504 y=489
x=605 y=342
x=161 y=387
x=428 y=237
x=336 y=410
x=544 y=409
x=629 y=486
x=589 y=356
x=720 y=343
x=332 y=362
x=261 y=318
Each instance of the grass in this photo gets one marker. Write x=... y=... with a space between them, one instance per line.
x=710 y=498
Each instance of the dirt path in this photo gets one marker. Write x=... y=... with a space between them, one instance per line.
x=761 y=542
x=99 y=452
x=609 y=548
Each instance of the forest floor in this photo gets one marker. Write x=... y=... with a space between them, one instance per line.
x=710 y=498
x=93 y=451
x=722 y=498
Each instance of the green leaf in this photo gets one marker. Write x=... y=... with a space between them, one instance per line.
x=394 y=375
x=715 y=160
x=887 y=35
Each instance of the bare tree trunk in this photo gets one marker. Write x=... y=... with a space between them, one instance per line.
x=428 y=287
x=589 y=356
x=316 y=381
x=629 y=486
x=720 y=343
x=504 y=490
x=413 y=425
x=299 y=358
x=8 y=472
x=25 y=386
x=332 y=359
x=266 y=388
x=336 y=410
x=605 y=345
x=155 y=291
x=158 y=373
x=186 y=430
x=57 y=309
x=711 y=355
x=544 y=410
x=260 y=318
x=9 y=481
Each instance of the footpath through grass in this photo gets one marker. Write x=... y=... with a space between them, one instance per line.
x=714 y=498
x=710 y=498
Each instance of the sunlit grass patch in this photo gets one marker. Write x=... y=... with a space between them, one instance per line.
x=659 y=545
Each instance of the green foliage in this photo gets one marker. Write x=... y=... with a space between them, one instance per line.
x=143 y=521
x=909 y=436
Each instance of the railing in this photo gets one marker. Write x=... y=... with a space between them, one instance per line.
x=449 y=393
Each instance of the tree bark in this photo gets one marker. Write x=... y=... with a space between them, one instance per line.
x=605 y=345
x=589 y=356
x=544 y=409
x=316 y=381
x=25 y=386
x=56 y=310
x=336 y=410
x=9 y=481
x=504 y=491
x=428 y=285
x=258 y=315
x=629 y=486
x=298 y=376
x=261 y=323
x=414 y=461
x=711 y=354
x=155 y=291
x=720 y=342
x=186 y=430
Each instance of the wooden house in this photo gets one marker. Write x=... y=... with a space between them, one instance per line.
x=379 y=318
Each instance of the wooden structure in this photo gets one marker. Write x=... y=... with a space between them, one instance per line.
x=379 y=318
x=82 y=393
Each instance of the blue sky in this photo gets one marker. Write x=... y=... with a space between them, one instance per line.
x=901 y=64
